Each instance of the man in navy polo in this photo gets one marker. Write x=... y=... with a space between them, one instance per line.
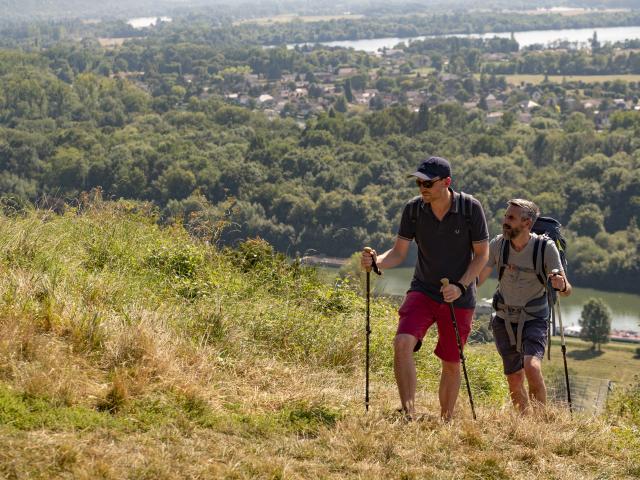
x=451 y=232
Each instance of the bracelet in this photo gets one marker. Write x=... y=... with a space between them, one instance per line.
x=462 y=288
x=564 y=289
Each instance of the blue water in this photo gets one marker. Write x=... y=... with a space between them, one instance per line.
x=624 y=307
x=525 y=39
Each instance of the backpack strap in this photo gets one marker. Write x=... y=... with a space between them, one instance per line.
x=415 y=208
x=539 y=247
x=416 y=203
x=503 y=260
x=466 y=208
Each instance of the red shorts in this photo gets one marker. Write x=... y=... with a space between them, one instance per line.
x=419 y=312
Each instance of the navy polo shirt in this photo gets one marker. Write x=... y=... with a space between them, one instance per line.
x=444 y=247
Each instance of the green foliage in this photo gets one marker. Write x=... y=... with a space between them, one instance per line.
x=306 y=419
x=595 y=321
x=169 y=137
x=254 y=254
x=339 y=299
x=625 y=403
x=587 y=220
x=177 y=262
x=27 y=413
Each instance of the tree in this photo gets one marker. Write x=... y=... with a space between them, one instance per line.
x=587 y=220
x=176 y=183
x=595 y=321
x=422 y=120
x=355 y=131
x=67 y=171
x=482 y=104
x=341 y=104
x=347 y=91
x=595 y=44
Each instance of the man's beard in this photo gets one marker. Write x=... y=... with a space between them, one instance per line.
x=510 y=232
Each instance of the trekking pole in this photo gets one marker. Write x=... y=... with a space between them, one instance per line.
x=563 y=346
x=552 y=319
x=445 y=282
x=368 y=328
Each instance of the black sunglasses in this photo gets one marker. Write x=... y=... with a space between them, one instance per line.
x=426 y=183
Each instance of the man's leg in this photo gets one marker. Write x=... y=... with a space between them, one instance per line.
x=516 y=390
x=415 y=318
x=449 y=388
x=512 y=362
x=449 y=354
x=533 y=371
x=404 y=368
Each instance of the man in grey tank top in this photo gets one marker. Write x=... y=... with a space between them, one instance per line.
x=522 y=311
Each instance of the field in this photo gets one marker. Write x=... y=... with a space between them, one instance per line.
x=571 y=12
x=424 y=71
x=110 y=42
x=297 y=18
x=618 y=362
x=536 y=79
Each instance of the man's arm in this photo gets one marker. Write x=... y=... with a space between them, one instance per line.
x=484 y=274
x=559 y=282
x=389 y=259
x=480 y=258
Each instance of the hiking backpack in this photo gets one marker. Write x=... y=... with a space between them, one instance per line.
x=546 y=228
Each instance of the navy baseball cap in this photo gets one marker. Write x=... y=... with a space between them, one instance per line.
x=433 y=167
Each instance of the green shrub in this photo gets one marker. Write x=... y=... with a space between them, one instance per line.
x=176 y=261
x=626 y=404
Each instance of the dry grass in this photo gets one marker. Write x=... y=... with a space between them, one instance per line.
x=499 y=445
x=133 y=352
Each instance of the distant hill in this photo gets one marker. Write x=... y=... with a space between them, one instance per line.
x=59 y=9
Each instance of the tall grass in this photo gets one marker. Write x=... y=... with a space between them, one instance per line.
x=131 y=350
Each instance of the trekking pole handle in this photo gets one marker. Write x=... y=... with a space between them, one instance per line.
x=555 y=272
x=374 y=265
x=445 y=283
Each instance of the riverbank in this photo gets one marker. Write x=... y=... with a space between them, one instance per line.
x=624 y=307
x=525 y=38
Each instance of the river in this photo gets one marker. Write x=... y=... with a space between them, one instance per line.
x=624 y=307
x=525 y=39
x=143 y=22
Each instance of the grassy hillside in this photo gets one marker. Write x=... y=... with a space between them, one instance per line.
x=134 y=351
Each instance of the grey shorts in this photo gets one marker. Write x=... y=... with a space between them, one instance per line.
x=534 y=342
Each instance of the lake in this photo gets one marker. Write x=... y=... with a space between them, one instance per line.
x=525 y=39
x=625 y=307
